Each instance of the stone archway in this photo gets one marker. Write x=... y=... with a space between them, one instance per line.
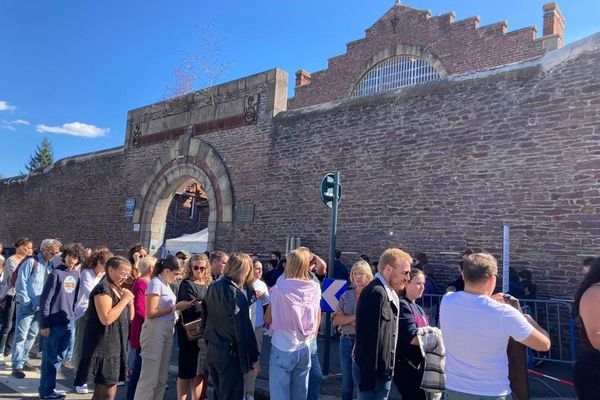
x=187 y=158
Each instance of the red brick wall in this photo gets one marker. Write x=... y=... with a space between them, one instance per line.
x=462 y=46
x=434 y=168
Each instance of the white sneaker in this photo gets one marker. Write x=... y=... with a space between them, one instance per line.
x=82 y=389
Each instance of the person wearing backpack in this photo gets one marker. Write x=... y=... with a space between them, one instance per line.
x=24 y=248
x=30 y=279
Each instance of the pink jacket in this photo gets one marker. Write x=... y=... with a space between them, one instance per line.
x=295 y=306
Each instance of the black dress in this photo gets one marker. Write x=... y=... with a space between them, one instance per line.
x=188 y=351
x=103 y=356
x=587 y=368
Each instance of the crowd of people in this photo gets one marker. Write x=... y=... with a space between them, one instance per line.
x=114 y=319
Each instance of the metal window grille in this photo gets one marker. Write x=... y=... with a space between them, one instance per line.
x=394 y=73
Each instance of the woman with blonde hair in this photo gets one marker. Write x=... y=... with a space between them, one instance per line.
x=145 y=269
x=193 y=372
x=232 y=349
x=344 y=318
x=295 y=316
x=257 y=318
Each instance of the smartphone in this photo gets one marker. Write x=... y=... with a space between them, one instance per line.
x=194 y=301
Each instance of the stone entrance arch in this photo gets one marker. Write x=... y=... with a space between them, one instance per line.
x=187 y=158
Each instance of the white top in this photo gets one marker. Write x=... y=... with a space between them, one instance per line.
x=87 y=282
x=476 y=330
x=256 y=309
x=392 y=295
x=9 y=266
x=166 y=297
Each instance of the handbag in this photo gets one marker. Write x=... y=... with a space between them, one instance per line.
x=193 y=329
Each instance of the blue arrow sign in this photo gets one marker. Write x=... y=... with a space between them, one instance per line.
x=331 y=291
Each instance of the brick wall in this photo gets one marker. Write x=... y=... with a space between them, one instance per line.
x=434 y=168
x=461 y=46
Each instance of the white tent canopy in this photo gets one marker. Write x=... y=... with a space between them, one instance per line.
x=193 y=242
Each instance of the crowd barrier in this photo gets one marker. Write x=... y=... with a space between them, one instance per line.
x=554 y=315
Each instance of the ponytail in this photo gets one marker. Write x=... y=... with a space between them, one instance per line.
x=170 y=262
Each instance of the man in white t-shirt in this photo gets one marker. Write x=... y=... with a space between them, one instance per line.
x=476 y=328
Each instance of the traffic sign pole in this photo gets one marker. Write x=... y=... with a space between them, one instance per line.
x=332 y=239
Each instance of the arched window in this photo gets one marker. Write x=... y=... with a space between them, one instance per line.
x=394 y=73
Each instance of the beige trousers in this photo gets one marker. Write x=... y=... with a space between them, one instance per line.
x=250 y=377
x=156 y=341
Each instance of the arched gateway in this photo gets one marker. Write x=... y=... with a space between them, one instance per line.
x=188 y=158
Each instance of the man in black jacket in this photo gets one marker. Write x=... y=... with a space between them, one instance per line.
x=377 y=326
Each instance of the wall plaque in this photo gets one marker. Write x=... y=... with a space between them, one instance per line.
x=244 y=213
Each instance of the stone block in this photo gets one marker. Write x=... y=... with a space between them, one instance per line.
x=230 y=108
x=202 y=114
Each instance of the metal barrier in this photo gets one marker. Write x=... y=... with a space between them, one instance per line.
x=556 y=316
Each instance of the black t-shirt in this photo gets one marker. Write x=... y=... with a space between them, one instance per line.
x=459 y=284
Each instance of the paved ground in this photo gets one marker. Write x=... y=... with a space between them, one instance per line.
x=13 y=389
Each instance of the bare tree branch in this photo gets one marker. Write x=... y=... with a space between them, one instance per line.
x=200 y=71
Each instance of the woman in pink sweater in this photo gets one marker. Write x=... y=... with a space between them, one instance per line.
x=145 y=267
x=295 y=313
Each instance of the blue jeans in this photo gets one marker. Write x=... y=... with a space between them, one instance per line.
x=71 y=346
x=382 y=386
x=288 y=373
x=53 y=353
x=25 y=332
x=315 y=375
x=346 y=346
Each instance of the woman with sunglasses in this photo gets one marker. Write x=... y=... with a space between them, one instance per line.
x=193 y=370
x=156 y=338
x=136 y=254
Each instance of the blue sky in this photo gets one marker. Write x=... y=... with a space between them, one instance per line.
x=70 y=70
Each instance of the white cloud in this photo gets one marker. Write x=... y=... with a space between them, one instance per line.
x=74 y=129
x=10 y=125
x=4 y=106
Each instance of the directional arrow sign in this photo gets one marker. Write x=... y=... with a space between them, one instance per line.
x=332 y=290
x=327 y=189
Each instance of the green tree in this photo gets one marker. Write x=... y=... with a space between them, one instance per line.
x=43 y=156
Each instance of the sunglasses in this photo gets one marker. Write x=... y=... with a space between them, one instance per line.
x=182 y=258
x=198 y=268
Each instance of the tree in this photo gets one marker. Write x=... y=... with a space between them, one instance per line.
x=200 y=71
x=43 y=156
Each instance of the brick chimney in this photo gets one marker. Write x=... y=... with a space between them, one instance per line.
x=554 y=25
x=302 y=78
